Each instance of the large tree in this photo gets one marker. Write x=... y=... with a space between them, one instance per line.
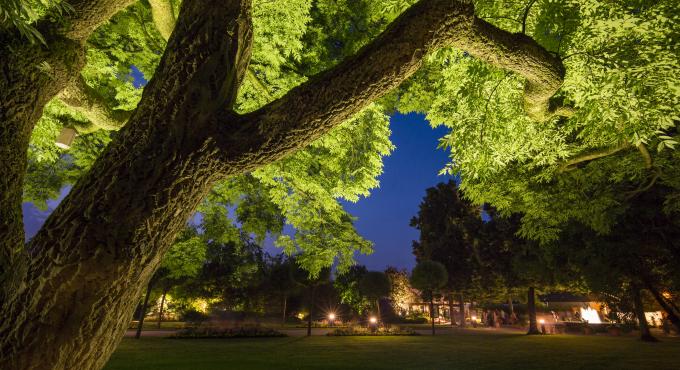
x=68 y=294
x=450 y=233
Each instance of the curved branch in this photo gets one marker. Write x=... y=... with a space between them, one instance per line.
x=641 y=189
x=519 y=53
x=645 y=155
x=328 y=99
x=571 y=164
x=527 y=9
x=85 y=100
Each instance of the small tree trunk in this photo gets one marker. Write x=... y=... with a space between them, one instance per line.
x=311 y=312
x=377 y=307
x=160 y=310
x=285 y=302
x=453 y=321
x=531 y=310
x=432 y=311
x=461 y=307
x=667 y=306
x=142 y=312
x=512 y=307
x=645 y=334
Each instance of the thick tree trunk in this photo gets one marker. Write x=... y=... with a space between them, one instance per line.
x=142 y=312
x=645 y=334
x=96 y=252
x=160 y=309
x=461 y=307
x=68 y=296
x=531 y=311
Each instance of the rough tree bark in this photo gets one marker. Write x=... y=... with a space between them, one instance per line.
x=531 y=311
x=96 y=252
x=30 y=76
x=68 y=295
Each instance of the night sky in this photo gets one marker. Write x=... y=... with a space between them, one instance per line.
x=384 y=216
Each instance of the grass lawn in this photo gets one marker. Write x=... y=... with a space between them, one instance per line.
x=461 y=350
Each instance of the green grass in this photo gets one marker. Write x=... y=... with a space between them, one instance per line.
x=462 y=350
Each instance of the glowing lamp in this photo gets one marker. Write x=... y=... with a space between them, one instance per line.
x=65 y=138
x=541 y=321
x=373 y=320
x=474 y=318
x=331 y=316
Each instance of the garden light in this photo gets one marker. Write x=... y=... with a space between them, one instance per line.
x=331 y=316
x=373 y=320
x=541 y=321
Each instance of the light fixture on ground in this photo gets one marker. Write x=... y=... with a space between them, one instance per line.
x=373 y=320
x=331 y=318
x=542 y=322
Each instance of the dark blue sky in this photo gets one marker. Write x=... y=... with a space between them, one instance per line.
x=413 y=167
x=384 y=216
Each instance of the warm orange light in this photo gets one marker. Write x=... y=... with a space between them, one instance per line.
x=541 y=321
x=666 y=295
x=373 y=320
x=474 y=318
x=331 y=316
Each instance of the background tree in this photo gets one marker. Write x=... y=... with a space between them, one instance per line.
x=279 y=277
x=375 y=285
x=311 y=284
x=184 y=259
x=347 y=285
x=428 y=277
x=450 y=233
x=401 y=292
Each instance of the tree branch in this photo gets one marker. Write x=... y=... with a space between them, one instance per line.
x=85 y=100
x=313 y=108
x=163 y=17
x=571 y=164
x=527 y=9
x=87 y=15
x=645 y=155
x=519 y=53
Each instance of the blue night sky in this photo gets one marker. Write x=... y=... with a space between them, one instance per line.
x=383 y=217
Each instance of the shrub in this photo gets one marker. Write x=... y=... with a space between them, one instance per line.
x=361 y=331
x=194 y=317
x=218 y=332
